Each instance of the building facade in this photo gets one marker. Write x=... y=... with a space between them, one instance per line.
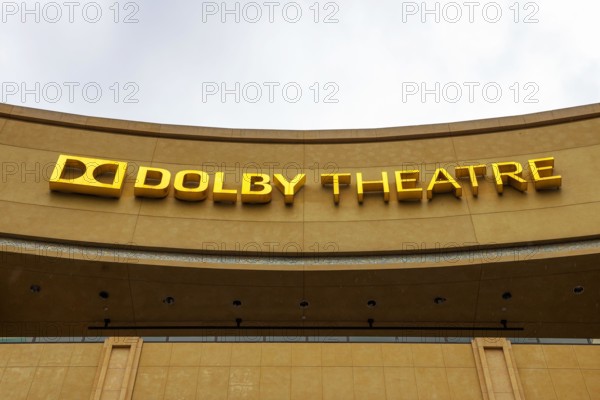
x=443 y=261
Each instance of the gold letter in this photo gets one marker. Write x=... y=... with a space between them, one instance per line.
x=406 y=185
x=511 y=173
x=289 y=189
x=541 y=170
x=220 y=194
x=373 y=186
x=471 y=171
x=78 y=175
x=152 y=182
x=336 y=180
x=256 y=196
x=444 y=185
x=197 y=193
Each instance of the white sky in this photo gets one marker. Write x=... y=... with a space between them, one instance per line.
x=368 y=66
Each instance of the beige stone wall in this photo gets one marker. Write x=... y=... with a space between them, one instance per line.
x=559 y=371
x=307 y=371
x=299 y=371
x=48 y=371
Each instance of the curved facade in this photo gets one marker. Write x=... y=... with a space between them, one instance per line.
x=430 y=247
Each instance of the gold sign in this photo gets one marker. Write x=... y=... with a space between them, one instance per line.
x=74 y=174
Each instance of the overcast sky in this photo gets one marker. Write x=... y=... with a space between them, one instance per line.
x=300 y=65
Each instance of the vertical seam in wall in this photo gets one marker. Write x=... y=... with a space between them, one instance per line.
x=291 y=367
x=589 y=392
x=548 y=370
x=197 y=372
x=352 y=373
x=168 y=367
x=137 y=217
x=575 y=354
x=551 y=379
x=67 y=367
x=229 y=376
x=383 y=371
x=445 y=368
x=32 y=378
x=476 y=306
x=321 y=366
x=199 y=386
x=414 y=369
x=321 y=371
x=260 y=367
x=587 y=388
x=198 y=376
x=466 y=200
x=141 y=199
